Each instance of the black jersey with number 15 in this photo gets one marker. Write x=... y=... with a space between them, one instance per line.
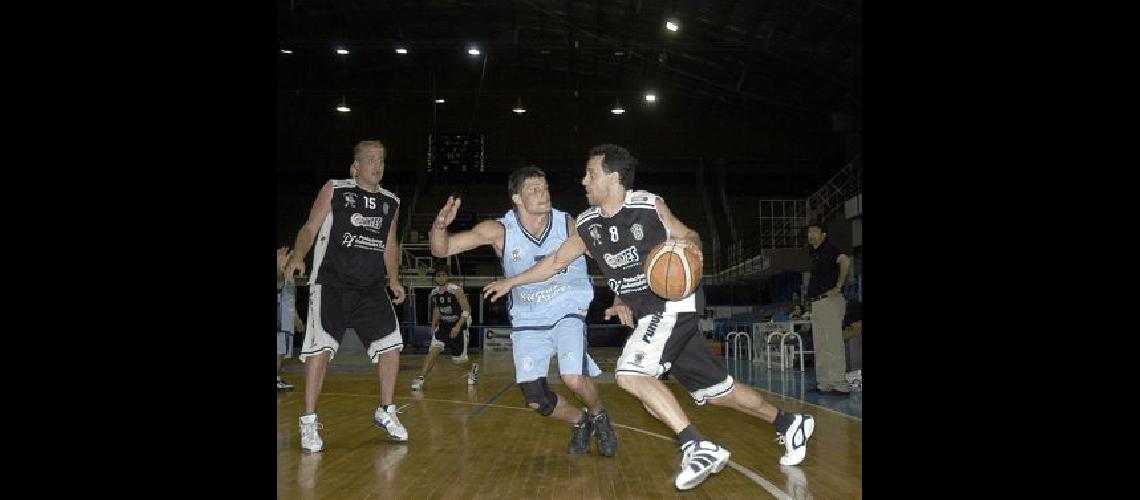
x=350 y=246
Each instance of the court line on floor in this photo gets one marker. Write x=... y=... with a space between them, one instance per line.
x=785 y=396
x=489 y=401
x=746 y=472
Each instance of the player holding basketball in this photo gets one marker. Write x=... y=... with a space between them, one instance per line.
x=618 y=230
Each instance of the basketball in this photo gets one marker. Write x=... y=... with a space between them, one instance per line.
x=673 y=270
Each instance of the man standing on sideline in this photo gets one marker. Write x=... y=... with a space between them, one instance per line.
x=828 y=273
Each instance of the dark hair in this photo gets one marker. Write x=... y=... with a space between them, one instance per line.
x=440 y=270
x=818 y=225
x=520 y=175
x=616 y=159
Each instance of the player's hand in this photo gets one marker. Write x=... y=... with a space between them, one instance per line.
x=446 y=214
x=397 y=290
x=283 y=255
x=623 y=312
x=692 y=245
x=496 y=289
x=293 y=266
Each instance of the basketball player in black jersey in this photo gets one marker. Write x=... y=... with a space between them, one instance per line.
x=355 y=262
x=450 y=317
x=618 y=231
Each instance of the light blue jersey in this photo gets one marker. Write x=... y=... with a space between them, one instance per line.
x=547 y=318
x=542 y=304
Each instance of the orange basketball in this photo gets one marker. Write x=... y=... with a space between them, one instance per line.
x=673 y=270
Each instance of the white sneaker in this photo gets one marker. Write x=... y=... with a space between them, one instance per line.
x=390 y=423
x=699 y=462
x=459 y=359
x=310 y=437
x=417 y=383
x=282 y=386
x=473 y=375
x=796 y=438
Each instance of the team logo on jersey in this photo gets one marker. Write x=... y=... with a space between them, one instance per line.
x=638 y=357
x=348 y=239
x=516 y=256
x=350 y=200
x=622 y=259
x=638 y=234
x=385 y=208
x=596 y=233
x=369 y=222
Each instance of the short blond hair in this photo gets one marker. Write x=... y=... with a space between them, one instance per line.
x=361 y=146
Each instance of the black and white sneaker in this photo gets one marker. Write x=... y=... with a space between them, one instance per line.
x=607 y=439
x=700 y=460
x=796 y=438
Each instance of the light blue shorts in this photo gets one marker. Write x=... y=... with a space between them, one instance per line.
x=533 y=347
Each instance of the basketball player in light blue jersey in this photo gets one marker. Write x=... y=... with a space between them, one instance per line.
x=547 y=317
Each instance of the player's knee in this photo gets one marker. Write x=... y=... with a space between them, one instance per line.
x=539 y=397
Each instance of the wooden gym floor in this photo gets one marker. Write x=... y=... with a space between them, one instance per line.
x=482 y=442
